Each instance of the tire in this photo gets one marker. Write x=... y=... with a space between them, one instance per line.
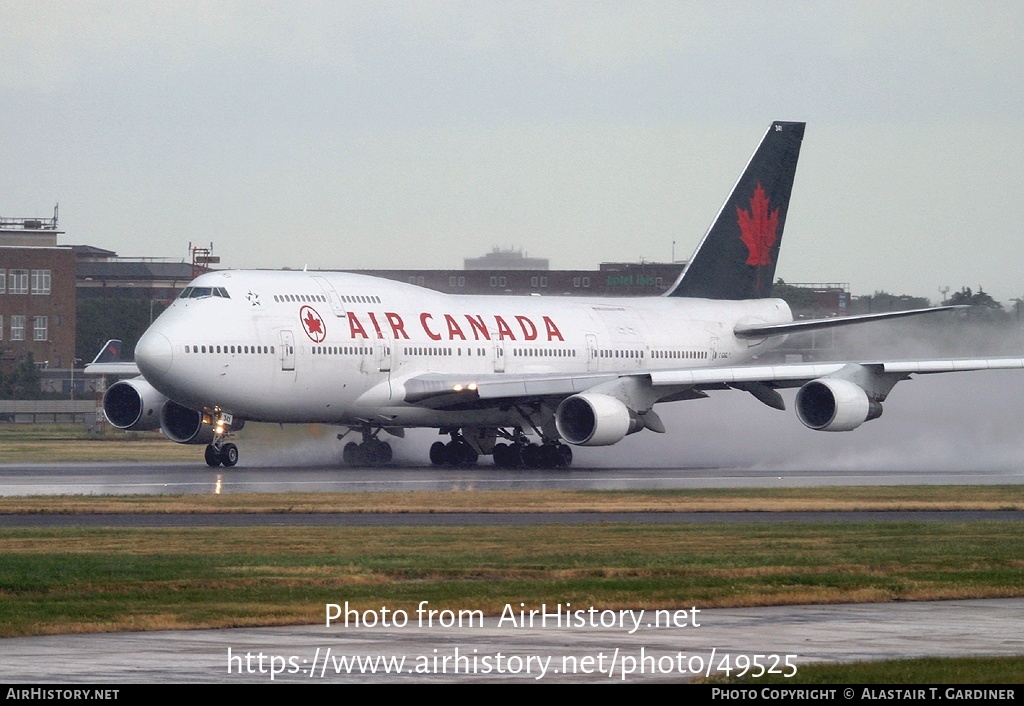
x=212 y=457
x=438 y=453
x=350 y=455
x=564 y=456
x=229 y=455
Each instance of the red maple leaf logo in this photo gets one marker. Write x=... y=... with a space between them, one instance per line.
x=758 y=228
x=313 y=324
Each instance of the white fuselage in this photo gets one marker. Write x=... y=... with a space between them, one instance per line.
x=330 y=347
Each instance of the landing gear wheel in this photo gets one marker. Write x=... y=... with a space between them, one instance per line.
x=438 y=453
x=212 y=457
x=229 y=455
x=564 y=456
x=350 y=455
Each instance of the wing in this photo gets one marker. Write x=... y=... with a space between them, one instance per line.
x=118 y=368
x=833 y=396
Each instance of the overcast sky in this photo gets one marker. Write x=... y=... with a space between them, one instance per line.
x=413 y=134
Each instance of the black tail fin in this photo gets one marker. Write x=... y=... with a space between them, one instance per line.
x=736 y=259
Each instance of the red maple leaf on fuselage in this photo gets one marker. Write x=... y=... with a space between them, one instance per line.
x=312 y=323
x=758 y=228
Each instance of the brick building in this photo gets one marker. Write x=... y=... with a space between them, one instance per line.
x=37 y=294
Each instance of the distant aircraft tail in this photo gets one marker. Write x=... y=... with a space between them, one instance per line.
x=736 y=259
x=110 y=353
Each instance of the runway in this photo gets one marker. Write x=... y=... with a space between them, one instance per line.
x=782 y=637
x=185 y=478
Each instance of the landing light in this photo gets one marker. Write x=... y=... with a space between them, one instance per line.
x=457 y=388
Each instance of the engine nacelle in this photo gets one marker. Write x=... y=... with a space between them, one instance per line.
x=133 y=405
x=830 y=404
x=595 y=419
x=184 y=425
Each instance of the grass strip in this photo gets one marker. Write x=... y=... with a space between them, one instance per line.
x=88 y=580
x=873 y=498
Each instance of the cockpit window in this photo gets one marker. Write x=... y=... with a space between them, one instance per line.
x=199 y=292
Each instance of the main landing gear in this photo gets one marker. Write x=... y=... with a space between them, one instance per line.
x=517 y=453
x=370 y=452
x=549 y=455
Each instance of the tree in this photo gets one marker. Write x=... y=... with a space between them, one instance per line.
x=983 y=306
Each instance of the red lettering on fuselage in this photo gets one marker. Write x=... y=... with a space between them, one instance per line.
x=355 y=327
x=529 y=330
x=503 y=329
x=479 y=328
x=376 y=326
x=397 y=325
x=453 y=328
x=552 y=330
x=430 y=334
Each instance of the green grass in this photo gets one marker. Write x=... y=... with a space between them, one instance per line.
x=86 y=580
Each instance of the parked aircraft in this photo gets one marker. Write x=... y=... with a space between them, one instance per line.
x=520 y=378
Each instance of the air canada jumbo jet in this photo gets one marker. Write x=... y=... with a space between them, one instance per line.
x=520 y=378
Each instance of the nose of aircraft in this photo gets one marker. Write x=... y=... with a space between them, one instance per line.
x=153 y=354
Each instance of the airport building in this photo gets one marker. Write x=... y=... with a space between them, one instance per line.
x=611 y=279
x=37 y=294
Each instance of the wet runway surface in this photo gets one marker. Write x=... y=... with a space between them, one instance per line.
x=185 y=478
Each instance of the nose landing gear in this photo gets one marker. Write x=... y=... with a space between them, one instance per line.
x=217 y=451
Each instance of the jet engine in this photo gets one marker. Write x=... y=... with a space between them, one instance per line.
x=133 y=405
x=595 y=419
x=184 y=425
x=830 y=404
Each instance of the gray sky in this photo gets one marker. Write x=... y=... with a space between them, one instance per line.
x=408 y=134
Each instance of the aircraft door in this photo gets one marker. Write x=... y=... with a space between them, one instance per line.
x=336 y=304
x=499 y=356
x=384 y=352
x=591 y=352
x=287 y=350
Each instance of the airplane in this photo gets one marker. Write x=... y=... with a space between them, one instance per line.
x=522 y=379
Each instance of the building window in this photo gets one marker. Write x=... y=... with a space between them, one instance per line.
x=501 y=281
x=543 y=281
x=534 y=281
x=18 y=282
x=40 y=281
x=586 y=281
x=494 y=281
x=462 y=281
x=1 y=327
x=575 y=281
x=41 y=329
x=17 y=328
x=3 y=282
x=451 y=281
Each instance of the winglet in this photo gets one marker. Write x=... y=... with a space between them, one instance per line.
x=737 y=257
